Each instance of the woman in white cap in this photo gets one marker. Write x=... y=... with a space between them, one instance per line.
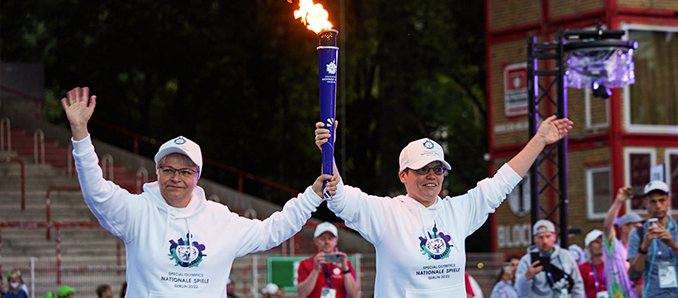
x=419 y=237
x=178 y=243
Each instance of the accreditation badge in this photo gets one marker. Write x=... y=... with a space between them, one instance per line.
x=328 y=293
x=667 y=275
x=562 y=293
x=602 y=295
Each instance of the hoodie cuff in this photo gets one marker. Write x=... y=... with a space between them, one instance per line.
x=509 y=175
x=83 y=146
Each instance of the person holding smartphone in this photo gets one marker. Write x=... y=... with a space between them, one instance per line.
x=506 y=279
x=329 y=273
x=548 y=270
x=653 y=248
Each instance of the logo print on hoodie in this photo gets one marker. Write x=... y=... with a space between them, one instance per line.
x=185 y=254
x=436 y=246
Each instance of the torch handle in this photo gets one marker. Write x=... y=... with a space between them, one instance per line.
x=327 y=74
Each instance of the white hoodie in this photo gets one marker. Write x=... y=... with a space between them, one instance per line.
x=160 y=263
x=421 y=251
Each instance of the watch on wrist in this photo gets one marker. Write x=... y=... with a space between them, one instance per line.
x=347 y=271
x=641 y=251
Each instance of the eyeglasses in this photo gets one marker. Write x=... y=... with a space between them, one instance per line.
x=425 y=170
x=184 y=172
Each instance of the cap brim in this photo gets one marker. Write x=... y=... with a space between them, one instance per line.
x=423 y=163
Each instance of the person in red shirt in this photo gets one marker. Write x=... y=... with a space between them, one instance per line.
x=319 y=277
x=592 y=272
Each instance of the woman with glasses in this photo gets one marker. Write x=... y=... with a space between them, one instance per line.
x=178 y=243
x=507 y=277
x=419 y=237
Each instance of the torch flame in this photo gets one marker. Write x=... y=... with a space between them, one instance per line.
x=314 y=16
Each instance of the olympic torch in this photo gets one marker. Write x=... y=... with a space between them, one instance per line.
x=315 y=17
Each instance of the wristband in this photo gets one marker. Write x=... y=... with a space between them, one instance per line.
x=347 y=271
x=642 y=252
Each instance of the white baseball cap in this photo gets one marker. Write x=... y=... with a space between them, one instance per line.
x=591 y=236
x=325 y=227
x=270 y=289
x=181 y=145
x=421 y=152
x=656 y=185
x=543 y=223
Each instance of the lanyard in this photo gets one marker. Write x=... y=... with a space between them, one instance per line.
x=654 y=253
x=327 y=273
x=595 y=277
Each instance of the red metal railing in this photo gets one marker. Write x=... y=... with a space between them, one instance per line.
x=48 y=204
x=23 y=179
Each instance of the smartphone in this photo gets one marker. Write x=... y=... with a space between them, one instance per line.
x=574 y=231
x=332 y=258
x=507 y=267
x=545 y=262
x=637 y=191
x=654 y=222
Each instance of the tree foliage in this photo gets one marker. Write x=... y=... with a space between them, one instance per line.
x=241 y=79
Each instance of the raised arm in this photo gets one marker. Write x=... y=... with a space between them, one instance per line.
x=550 y=131
x=622 y=196
x=79 y=107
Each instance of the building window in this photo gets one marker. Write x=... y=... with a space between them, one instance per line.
x=597 y=111
x=671 y=176
x=651 y=104
x=637 y=165
x=598 y=192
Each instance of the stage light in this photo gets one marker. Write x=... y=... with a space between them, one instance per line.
x=600 y=90
x=599 y=58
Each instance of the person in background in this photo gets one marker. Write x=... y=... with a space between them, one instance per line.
x=14 y=286
x=271 y=291
x=104 y=291
x=554 y=273
x=615 y=249
x=230 y=289
x=592 y=272
x=318 y=277
x=66 y=292
x=2 y=288
x=506 y=279
x=123 y=290
x=49 y=295
x=652 y=249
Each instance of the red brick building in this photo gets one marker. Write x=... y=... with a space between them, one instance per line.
x=614 y=141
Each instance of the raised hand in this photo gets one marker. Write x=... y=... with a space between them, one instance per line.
x=79 y=107
x=552 y=129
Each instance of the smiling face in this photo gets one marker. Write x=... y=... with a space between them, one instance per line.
x=424 y=188
x=176 y=188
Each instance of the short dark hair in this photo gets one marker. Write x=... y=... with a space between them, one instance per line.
x=101 y=289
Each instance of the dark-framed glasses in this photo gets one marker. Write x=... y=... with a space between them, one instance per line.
x=183 y=172
x=436 y=170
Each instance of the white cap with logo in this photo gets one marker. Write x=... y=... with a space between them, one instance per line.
x=325 y=227
x=419 y=153
x=656 y=185
x=181 y=145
